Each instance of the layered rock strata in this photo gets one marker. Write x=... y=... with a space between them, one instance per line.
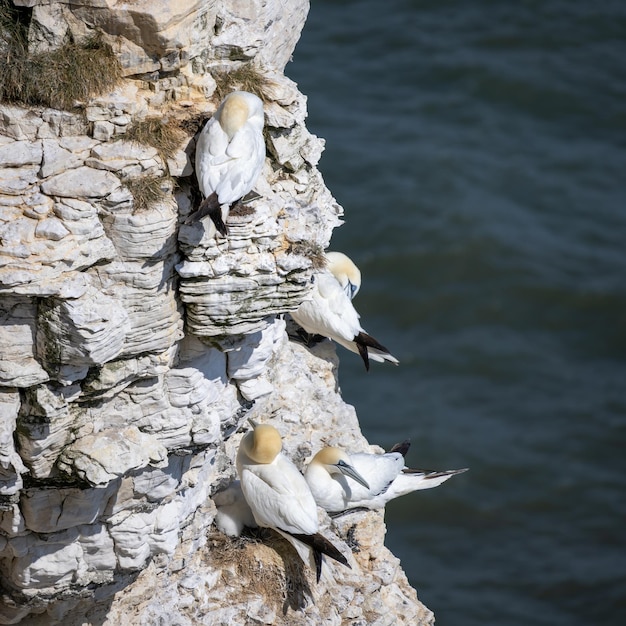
x=133 y=347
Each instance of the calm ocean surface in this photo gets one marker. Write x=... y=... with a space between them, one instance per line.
x=479 y=151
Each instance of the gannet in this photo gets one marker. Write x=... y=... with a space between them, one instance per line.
x=330 y=313
x=279 y=497
x=230 y=153
x=233 y=512
x=342 y=267
x=338 y=480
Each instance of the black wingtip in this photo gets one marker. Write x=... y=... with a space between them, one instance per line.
x=362 y=348
x=318 y=557
x=321 y=546
x=210 y=206
x=430 y=474
x=216 y=217
x=364 y=341
x=402 y=447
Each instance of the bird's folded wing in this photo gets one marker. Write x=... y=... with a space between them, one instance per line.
x=379 y=470
x=336 y=308
x=277 y=503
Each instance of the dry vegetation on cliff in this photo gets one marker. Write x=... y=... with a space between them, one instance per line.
x=61 y=79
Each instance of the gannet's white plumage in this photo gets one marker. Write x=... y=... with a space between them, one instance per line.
x=331 y=477
x=233 y=512
x=279 y=496
x=230 y=153
x=342 y=267
x=330 y=313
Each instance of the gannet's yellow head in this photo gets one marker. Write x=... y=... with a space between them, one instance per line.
x=236 y=109
x=345 y=271
x=330 y=456
x=263 y=444
x=336 y=461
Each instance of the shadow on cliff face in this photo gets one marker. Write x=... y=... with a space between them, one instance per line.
x=265 y=564
x=73 y=610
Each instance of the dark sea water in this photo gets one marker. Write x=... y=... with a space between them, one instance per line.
x=479 y=151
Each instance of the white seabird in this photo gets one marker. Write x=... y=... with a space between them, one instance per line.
x=230 y=153
x=233 y=512
x=340 y=481
x=329 y=312
x=279 y=497
x=342 y=267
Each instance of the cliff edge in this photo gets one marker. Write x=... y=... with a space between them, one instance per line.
x=134 y=347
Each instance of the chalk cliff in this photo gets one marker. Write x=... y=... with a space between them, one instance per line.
x=133 y=347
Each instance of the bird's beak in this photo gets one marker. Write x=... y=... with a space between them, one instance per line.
x=253 y=422
x=353 y=290
x=348 y=470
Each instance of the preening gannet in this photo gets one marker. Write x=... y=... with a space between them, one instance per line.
x=345 y=271
x=330 y=313
x=230 y=153
x=279 y=497
x=332 y=478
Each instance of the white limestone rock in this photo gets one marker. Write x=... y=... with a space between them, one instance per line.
x=20 y=153
x=179 y=409
x=122 y=101
x=139 y=536
x=261 y=30
x=17 y=181
x=62 y=124
x=102 y=457
x=142 y=235
x=237 y=289
x=103 y=131
x=19 y=366
x=19 y=123
x=77 y=556
x=46 y=243
x=113 y=377
x=52 y=510
x=127 y=159
x=45 y=566
x=43 y=428
x=11 y=465
x=57 y=159
x=81 y=182
x=51 y=228
x=148 y=36
x=146 y=290
x=155 y=484
x=196 y=356
x=31 y=124
x=248 y=355
x=74 y=334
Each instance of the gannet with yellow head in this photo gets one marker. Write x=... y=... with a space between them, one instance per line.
x=279 y=496
x=230 y=153
x=342 y=267
x=340 y=481
x=329 y=312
